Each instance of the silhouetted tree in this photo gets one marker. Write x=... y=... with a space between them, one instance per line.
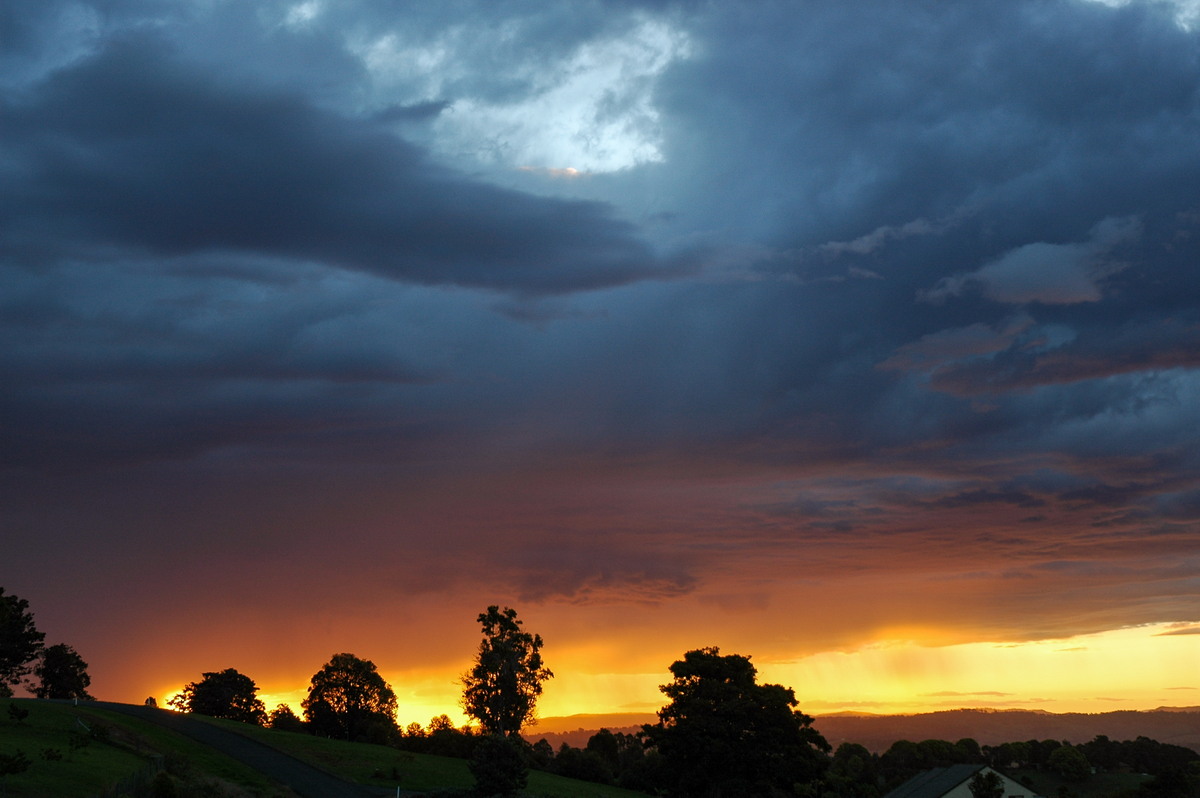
x=61 y=673
x=282 y=718
x=853 y=773
x=1174 y=782
x=938 y=753
x=224 y=694
x=20 y=642
x=498 y=766
x=502 y=688
x=348 y=699
x=1003 y=755
x=541 y=754
x=585 y=765
x=1150 y=756
x=445 y=740
x=900 y=762
x=1038 y=752
x=1069 y=762
x=986 y=784
x=440 y=723
x=969 y=751
x=725 y=735
x=1102 y=752
x=605 y=745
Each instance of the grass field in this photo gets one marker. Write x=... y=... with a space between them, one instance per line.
x=49 y=737
x=380 y=766
x=131 y=744
x=125 y=747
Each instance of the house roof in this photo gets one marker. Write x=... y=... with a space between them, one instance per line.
x=934 y=783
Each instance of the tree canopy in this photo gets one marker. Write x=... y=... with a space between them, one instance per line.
x=20 y=642
x=724 y=734
x=1069 y=762
x=986 y=784
x=225 y=694
x=502 y=688
x=61 y=673
x=348 y=699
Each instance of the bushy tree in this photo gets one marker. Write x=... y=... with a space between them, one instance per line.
x=607 y=746
x=723 y=734
x=1070 y=763
x=502 y=688
x=853 y=773
x=20 y=642
x=348 y=699
x=61 y=673
x=986 y=784
x=224 y=694
x=12 y=764
x=282 y=718
x=969 y=751
x=582 y=764
x=541 y=755
x=498 y=766
x=1174 y=782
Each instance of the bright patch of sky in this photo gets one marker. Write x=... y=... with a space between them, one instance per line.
x=1187 y=12
x=302 y=13
x=590 y=109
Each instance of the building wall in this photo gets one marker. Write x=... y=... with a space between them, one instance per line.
x=1012 y=789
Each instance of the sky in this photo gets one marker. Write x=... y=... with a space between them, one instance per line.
x=861 y=339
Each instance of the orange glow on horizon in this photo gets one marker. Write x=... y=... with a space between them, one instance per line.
x=1132 y=668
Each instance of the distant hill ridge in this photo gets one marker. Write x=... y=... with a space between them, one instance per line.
x=1175 y=725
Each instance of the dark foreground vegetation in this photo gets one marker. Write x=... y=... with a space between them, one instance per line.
x=721 y=734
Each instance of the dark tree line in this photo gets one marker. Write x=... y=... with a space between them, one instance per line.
x=57 y=671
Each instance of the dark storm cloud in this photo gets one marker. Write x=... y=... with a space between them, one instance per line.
x=131 y=149
x=1041 y=155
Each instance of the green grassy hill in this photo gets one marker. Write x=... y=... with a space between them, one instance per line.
x=118 y=747
x=384 y=767
x=76 y=752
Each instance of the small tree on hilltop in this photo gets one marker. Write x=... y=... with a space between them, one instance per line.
x=20 y=642
x=348 y=699
x=502 y=688
x=227 y=694
x=62 y=673
x=282 y=718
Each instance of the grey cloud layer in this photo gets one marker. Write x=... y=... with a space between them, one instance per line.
x=948 y=250
x=129 y=149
